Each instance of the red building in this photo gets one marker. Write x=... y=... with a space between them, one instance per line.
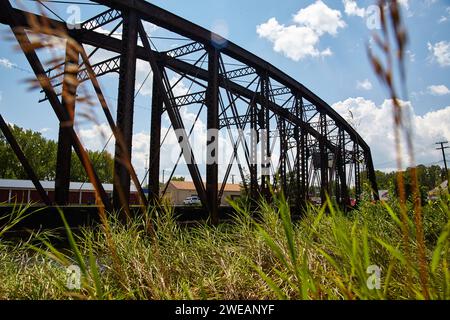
x=23 y=191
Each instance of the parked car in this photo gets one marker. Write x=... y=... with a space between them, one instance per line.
x=192 y=200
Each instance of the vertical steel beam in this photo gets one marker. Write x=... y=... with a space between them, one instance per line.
x=301 y=167
x=155 y=142
x=371 y=175
x=344 y=196
x=324 y=190
x=64 y=152
x=265 y=141
x=253 y=152
x=212 y=123
x=283 y=155
x=125 y=108
x=23 y=160
x=357 y=173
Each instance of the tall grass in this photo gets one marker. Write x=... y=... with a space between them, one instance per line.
x=325 y=255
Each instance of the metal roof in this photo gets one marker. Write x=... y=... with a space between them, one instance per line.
x=189 y=185
x=50 y=185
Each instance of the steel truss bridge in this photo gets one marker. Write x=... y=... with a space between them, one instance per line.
x=318 y=150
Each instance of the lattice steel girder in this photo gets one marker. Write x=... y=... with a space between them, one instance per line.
x=241 y=72
x=100 y=69
x=232 y=121
x=101 y=19
x=185 y=50
x=191 y=98
x=280 y=91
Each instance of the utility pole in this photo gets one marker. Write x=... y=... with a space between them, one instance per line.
x=232 y=178
x=442 y=148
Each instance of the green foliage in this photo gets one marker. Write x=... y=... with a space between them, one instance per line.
x=178 y=178
x=41 y=154
x=260 y=255
x=103 y=164
x=429 y=177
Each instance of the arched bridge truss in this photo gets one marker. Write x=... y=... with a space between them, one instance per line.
x=318 y=152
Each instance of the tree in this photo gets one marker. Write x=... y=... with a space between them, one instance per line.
x=428 y=177
x=41 y=154
x=178 y=178
x=103 y=164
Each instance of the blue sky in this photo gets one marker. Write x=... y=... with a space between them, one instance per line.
x=330 y=59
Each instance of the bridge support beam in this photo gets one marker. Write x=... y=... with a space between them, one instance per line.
x=304 y=164
x=324 y=185
x=371 y=175
x=357 y=174
x=253 y=151
x=64 y=152
x=283 y=156
x=155 y=143
x=125 y=107
x=264 y=125
x=212 y=103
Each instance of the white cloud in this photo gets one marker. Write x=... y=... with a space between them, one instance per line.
x=438 y=90
x=404 y=3
x=440 y=52
x=442 y=19
x=352 y=9
x=4 y=62
x=364 y=85
x=294 y=42
x=445 y=17
x=320 y=18
x=411 y=55
x=95 y=136
x=301 y=40
x=375 y=124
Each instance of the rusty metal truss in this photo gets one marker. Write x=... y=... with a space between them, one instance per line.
x=308 y=149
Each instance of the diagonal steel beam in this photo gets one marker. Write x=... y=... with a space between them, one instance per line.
x=61 y=113
x=174 y=115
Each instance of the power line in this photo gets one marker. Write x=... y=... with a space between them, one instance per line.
x=442 y=148
x=49 y=9
x=68 y=2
